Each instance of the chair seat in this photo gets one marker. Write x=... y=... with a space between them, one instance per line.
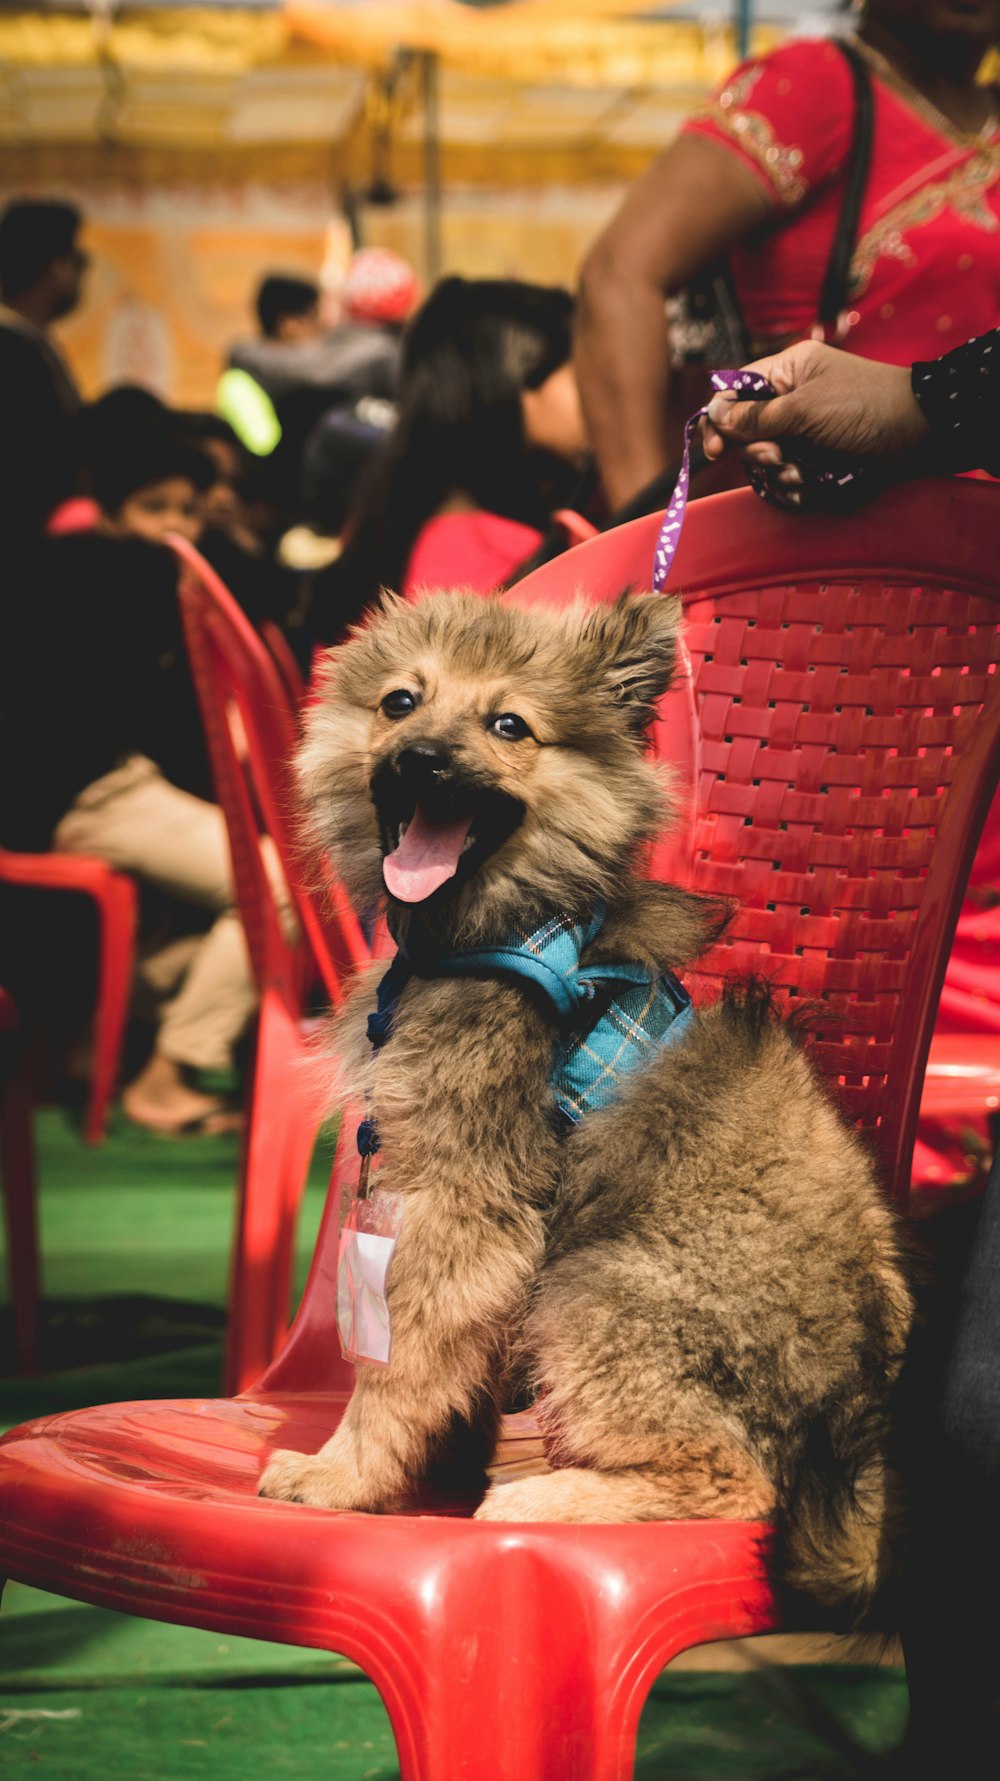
x=151 y=1508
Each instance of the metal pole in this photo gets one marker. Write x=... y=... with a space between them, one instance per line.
x=432 y=169
x=744 y=9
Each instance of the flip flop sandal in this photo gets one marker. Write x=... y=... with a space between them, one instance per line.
x=217 y=1122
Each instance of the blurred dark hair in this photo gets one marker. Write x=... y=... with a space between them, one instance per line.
x=278 y=295
x=33 y=233
x=336 y=455
x=468 y=354
x=121 y=413
x=199 y=423
x=201 y=428
x=129 y=439
x=120 y=467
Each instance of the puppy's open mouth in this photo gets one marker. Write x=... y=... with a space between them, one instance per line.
x=437 y=842
x=426 y=855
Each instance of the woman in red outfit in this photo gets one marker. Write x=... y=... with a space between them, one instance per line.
x=488 y=441
x=759 y=174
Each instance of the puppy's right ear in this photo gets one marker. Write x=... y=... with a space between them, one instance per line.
x=633 y=643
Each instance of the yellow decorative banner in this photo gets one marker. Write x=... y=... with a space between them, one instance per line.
x=224 y=40
x=583 y=43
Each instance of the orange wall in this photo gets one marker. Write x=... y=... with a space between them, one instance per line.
x=164 y=301
x=175 y=261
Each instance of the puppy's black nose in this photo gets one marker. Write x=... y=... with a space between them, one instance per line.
x=425 y=763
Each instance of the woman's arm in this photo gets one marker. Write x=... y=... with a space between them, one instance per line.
x=690 y=205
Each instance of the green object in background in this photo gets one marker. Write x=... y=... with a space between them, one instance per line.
x=249 y=411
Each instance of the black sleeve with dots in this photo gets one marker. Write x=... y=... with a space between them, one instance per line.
x=960 y=396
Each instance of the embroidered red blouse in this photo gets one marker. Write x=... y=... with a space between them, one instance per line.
x=926 y=268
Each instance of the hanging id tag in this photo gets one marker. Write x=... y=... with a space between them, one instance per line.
x=371 y=1219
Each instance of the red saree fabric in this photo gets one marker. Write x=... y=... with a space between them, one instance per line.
x=926 y=268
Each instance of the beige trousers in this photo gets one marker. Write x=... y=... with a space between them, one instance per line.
x=138 y=822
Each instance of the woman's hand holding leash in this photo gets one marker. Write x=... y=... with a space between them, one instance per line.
x=830 y=400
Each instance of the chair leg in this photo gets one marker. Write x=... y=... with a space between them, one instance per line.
x=552 y=1734
x=530 y=1656
x=519 y=1689
x=281 y=1128
x=116 y=910
x=17 y=1160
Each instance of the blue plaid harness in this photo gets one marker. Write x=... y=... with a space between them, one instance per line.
x=612 y=1017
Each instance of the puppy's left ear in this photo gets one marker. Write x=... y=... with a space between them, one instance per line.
x=633 y=644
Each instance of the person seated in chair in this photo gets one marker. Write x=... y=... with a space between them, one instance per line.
x=104 y=754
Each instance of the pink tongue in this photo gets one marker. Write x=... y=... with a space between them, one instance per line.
x=426 y=858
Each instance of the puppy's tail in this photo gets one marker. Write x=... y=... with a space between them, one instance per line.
x=842 y=1529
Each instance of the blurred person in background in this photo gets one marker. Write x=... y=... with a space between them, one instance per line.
x=287 y=312
x=149 y=486
x=297 y=357
x=737 y=221
x=103 y=751
x=123 y=412
x=313 y=358
x=42 y=267
x=229 y=533
x=489 y=439
x=223 y=508
x=288 y=308
x=236 y=539
x=342 y=442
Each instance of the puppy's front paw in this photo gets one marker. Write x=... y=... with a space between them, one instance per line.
x=308 y=1478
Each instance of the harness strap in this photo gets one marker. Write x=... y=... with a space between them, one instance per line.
x=597 y=1047
x=388 y=993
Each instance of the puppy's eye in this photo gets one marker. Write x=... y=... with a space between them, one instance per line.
x=511 y=727
x=399 y=703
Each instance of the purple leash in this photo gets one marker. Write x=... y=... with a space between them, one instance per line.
x=749 y=387
x=824 y=474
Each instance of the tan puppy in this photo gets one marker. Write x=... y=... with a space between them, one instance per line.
x=700 y=1277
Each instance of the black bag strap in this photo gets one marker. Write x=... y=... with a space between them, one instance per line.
x=833 y=294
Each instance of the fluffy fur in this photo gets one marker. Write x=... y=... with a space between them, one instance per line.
x=701 y=1280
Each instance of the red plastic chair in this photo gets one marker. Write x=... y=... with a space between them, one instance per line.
x=20 y=1199
x=864 y=654
x=116 y=901
x=959 y=1124
x=725 y=734
x=575 y=526
x=963 y=1076
x=232 y=667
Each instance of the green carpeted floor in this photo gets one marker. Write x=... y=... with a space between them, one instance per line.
x=135 y=1241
